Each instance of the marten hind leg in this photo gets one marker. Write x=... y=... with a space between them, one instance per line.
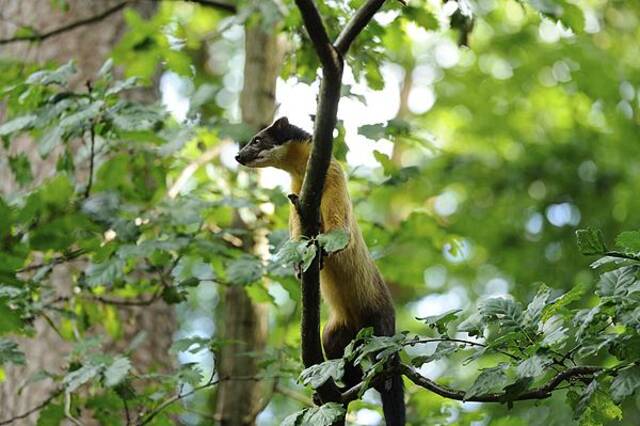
x=335 y=338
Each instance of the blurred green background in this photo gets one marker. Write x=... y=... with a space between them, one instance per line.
x=478 y=135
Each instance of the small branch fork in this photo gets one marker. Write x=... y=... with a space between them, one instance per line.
x=331 y=57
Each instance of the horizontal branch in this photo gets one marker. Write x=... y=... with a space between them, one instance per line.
x=356 y=25
x=65 y=28
x=541 y=392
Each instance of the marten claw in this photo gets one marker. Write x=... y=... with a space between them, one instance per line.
x=297 y=269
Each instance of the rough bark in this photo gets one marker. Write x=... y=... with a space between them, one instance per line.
x=239 y=402
x=88 y=46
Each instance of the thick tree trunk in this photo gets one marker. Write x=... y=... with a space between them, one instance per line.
x=240 y=401
x=89 y=47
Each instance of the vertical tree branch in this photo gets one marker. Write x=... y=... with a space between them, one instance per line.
x=331 y=58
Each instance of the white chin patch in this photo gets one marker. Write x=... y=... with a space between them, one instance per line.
x=258 y=162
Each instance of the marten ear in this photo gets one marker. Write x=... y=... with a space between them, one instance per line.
x=281 y=123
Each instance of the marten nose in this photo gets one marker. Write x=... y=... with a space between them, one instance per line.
x=238 y=159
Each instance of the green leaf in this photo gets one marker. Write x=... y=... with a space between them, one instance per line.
x=440 y=322
x=561 y=302
x=25 y=31
x=190 y=373
x=106 y=273
x=585 y=399
x=10 y=352
x=324 y=415
x=474 y=325
x=572 y=17
x=590 y=241
x=294 y=419
x=21 y=168
x=117 y=371
x=490 y=380
x=601 y=410
x=189 y=267
x=554 y=334
x=59 y=76
x=334 y=240
x=422 y=17
x=625 y=383
x=51 y=415
x=10 y=319
x=295 y=252
x=373 y=131
x=617 y=282
x=120 y=86
x=629 y=241
x=192 y=344
x=106 y=68
x=245 y=270
x=533 y=313
x=18 y=124
x=82 y=118
x=389 y=167
x=532 y=367
x=308 y=255
x=443 y=350
x=507 y=312
x=382 y=345
x=317 y=375
x=259 y=293
x=79 y=377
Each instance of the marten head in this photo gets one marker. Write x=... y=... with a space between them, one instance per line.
x=273 y=146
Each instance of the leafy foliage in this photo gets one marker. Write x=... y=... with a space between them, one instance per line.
x=522 y=137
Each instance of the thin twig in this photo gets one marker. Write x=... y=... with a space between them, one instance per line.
x=622 y=255
x=227 y=7
x=92 y=154
x=179 y=396
x=55 y=261
x=356 y=25
x=126 y=410
x=65 y=28
x=34 y=409
x=464 y=342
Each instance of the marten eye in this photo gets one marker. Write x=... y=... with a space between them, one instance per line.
x=257 y=140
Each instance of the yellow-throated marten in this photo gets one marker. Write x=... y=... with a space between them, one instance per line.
x=349 y=280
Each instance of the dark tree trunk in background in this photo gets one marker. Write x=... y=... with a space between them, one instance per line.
x=240 y=401
x=89 y=47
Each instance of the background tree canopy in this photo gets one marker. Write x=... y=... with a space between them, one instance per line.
x=492 y=152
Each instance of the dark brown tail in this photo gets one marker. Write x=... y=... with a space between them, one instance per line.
x=392 y=393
